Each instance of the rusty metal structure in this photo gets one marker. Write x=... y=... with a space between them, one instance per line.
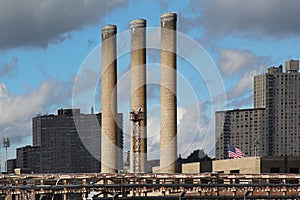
x=136 y=117
x=150 y=186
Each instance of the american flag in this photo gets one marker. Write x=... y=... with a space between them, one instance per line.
x=234 y=152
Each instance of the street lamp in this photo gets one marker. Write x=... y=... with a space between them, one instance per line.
x=6 y=144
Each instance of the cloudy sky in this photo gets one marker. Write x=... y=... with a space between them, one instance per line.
x=46 y=46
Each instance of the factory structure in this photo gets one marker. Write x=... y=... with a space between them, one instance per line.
x=59 y=140
x=138 y=99
x=266 y=134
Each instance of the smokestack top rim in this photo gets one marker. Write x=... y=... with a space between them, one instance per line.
x=109 y=28
x=136 y=23
x=171 y=16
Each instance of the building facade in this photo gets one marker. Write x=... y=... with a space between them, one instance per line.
x=61 y=147
x=11 y=165
x=68 y=142
x=271 y=128
x=241 y=128
x=28 y=157
x=257 y=165
x=279 y=93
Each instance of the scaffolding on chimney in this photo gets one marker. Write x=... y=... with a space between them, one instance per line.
x=136 y=117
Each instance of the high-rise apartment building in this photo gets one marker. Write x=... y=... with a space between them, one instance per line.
x=60 y=140
x=241 y=128
x=272 y=127
x=68 y=142
x=279 y=93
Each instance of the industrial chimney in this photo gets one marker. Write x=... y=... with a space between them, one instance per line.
x=109 y=100
x=138 y=138
x=168 y=102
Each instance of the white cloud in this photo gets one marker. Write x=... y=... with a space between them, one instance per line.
x=38 y=23
x=245 y=84
x=18 y=110
x=255 y=18
x=232 y=60
x=244 y=101
x=193 y=130
x=245 y=65
x=153 y=137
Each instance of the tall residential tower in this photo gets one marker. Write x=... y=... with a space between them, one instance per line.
x=272 y=127
x=279 y=93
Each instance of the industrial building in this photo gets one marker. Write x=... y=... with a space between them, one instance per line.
x=247 y=165
x=58 y=138
x=138 y=98
x=257 y=165
x=59 y=143
x=272 y=127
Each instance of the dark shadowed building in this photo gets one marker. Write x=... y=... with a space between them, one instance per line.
x=68 y=142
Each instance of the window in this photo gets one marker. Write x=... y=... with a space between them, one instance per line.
x=274 y=170
x=236 y=171
x=294 y=170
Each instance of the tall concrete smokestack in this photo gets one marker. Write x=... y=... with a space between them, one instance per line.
x=168 y=102
x=138 y=92
x=109 y=100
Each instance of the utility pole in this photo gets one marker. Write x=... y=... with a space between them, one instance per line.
x=136 y=117
x=6 y=144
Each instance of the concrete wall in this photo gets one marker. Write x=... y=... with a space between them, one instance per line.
x=156 y=169
x=197 y=167
x=249 y=165
x=191 y=167
x=283 y=165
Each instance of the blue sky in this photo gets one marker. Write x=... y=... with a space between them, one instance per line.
x=43 y=46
